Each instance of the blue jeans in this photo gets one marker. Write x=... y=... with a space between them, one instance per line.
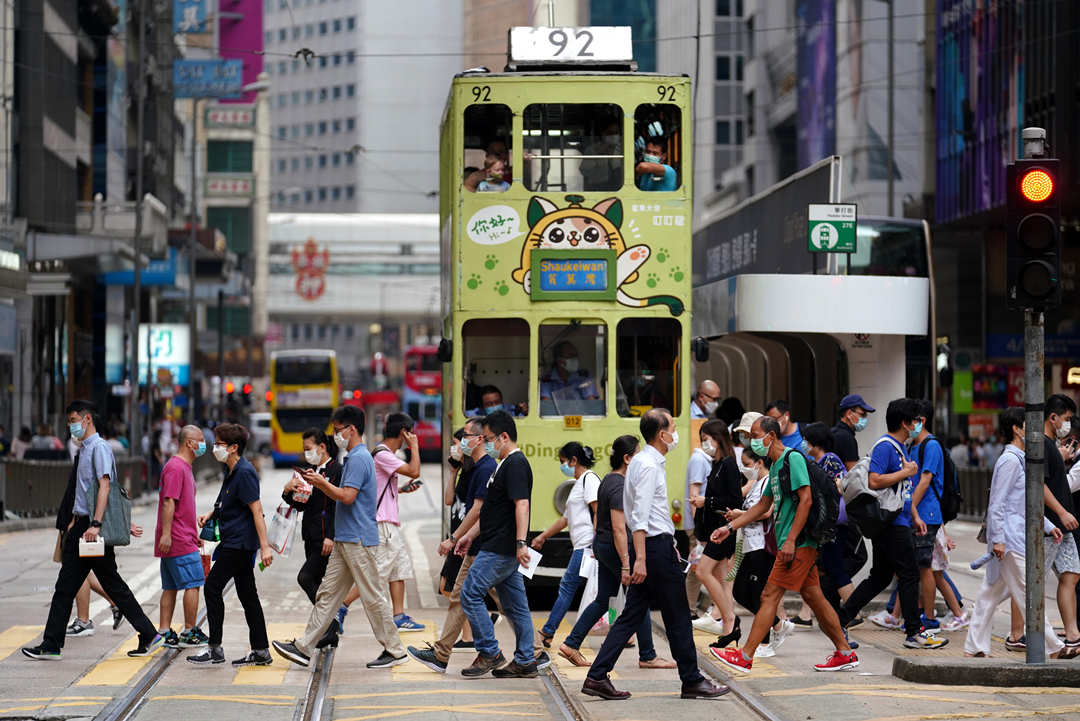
x=956 y=592
x=568 y=586
x=608 y=579
x=490 y=570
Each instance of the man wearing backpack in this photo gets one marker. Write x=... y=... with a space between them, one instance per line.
x=796 y=559
x=933 y=503
x=894 y=549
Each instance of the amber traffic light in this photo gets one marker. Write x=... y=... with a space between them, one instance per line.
x=1033 y=235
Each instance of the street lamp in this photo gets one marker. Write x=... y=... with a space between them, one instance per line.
x=257 y=86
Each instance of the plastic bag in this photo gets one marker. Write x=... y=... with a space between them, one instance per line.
x=280 y=529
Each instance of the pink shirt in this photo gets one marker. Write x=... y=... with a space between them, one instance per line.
x=386 y=463
x=178 y=483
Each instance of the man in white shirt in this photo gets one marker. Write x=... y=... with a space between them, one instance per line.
x=706 y=401
x=657 y=570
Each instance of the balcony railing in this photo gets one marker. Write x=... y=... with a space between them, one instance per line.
x=117 y=220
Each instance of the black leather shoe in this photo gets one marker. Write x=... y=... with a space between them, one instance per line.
x=704 y=689
x=603 y=689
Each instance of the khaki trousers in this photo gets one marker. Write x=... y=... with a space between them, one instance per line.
x=352 y=563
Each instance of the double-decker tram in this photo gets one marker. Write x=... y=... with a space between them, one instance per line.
x=303 y=394
x=565 y=207
x=422 y=398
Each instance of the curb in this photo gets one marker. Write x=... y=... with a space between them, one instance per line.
x=986 y=672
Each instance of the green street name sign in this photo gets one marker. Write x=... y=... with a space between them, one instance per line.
x=832 y=228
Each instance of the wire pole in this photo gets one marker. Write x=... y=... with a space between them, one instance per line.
x=193 y=351
x=135 y=442
x=890 y=170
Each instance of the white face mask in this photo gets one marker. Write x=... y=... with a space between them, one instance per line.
x=455 y=451
x=710 y=407
x=221 y=453
x=749 y=472
x=709 y=447
x=674 y=441
x=312 y=456
x=340 y=440
x=570 y=364
x=1066 y=428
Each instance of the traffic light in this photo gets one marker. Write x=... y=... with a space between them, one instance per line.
x=1033 y=235
x=229 y=387
x=247 y=394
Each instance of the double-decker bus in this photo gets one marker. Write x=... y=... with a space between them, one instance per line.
x=567 y=288
x=422 y=398
x=303 y=394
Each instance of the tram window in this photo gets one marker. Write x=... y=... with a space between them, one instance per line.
x=890 y=248
x=573 y=369
x=495 y=352
x=574 y=147
x=487 y=148
x=657 y=147
x=647 y=366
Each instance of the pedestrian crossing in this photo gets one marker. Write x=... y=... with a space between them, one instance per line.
x=16 y=637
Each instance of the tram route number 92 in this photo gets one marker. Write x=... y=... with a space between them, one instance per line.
x=582 y=38
x=481 y=93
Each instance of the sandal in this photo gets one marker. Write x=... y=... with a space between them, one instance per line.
x=657 y=663
x=573 y=656
x=546 y=640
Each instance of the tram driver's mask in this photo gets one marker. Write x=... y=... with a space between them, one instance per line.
x=570 y=365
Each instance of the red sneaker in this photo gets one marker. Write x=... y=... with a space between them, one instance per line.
x=732 y=658
x=838 y=661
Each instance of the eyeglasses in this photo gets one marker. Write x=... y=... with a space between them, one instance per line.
x=711 y=398
x=339 y=429
x=471 y=435
x=859 y=412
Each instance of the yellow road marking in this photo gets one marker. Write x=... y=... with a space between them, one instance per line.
x=1017 y=713
x=5 y=539
x=68 y=698
x=17 y=636
x=481 y=709
x=274 y=674
x=468 y=692
x=924 y=688
x=256 y=700
x=119 y=668
x=21 y=708
x=408 y=671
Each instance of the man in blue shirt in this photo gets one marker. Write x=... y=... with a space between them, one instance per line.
x=567 y=381
x=491 y=400
x=894 y=549
x=652 y=173
x=790 y=435
x=353 y=560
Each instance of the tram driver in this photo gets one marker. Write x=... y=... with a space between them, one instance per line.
x=566 y=381
x=491 y=400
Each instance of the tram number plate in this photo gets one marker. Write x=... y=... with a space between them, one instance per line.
x=571 y=45
x=571 y=423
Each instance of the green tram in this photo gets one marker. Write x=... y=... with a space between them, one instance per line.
x=564 y=285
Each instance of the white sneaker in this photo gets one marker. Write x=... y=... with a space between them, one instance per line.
x=786 y=629
x=765 y=650
x=956 y=623
x=708 y=624
x=79 y=629
x=886 y=620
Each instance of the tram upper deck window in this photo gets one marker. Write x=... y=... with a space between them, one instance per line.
x=495 y=355
x=657 y=148
x=647 y=366
x=890 y=247
x=573 y=147
x=573 y=369
x=487 y=148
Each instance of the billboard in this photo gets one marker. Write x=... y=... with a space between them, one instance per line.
x=241 y=38
x=206 y=78
x=816 y=72
x=169 y=346
x=189 y=16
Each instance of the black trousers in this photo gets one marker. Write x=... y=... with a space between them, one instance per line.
x=236 y=564
x=894 y=554
x=73 y=571
x=666 y=584
x=314 y=568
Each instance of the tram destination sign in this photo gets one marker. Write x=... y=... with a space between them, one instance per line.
x=573 y=275
x=571 y=45
x=831 y=228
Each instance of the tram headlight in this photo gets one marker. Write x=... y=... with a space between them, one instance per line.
x=561 y=494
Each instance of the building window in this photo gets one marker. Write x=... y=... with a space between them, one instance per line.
x=294 y=331
x=296 y=98
x=334 y=331
x=738 y=132
x=281 y=131
x=337 y=92
x=350 y=57
x=349 y=158
x=322 y=61
x=296 y=32
x=336 y=160
x=750 y=38
x=337 y=26
x=309 y=97
x=322 y=28
x=750 y=114
x=350 y=23
x=296 y=66
x=295 y=131
x=309 y=30
x=235 y=224
x=350 y=123
x=336 y=126
x=308 y=195
x=282 y=35
x=350 y=191
x=294 y=198
x=281 y=166
x=322 y=195
x=309 y=129
x=269 y=68
x=350 y=90
x=322 y=128
x=230 y=156
x=268 y=37
x=723 y=132
x=322 y=161
x=738 y=8
x=308 y=163
x=323 y=95
x=723 y=8
x=322 y=332
x=723 y=67
x=282 y=68
x=296 y=163
x=738 y=67
x=348 y=331
x=337 y=59
x=307 y=331
x=282 y=4
x=336 y=193
x=282 y=100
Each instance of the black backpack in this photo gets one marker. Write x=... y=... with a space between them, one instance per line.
x=950 y=499
x=821 y=523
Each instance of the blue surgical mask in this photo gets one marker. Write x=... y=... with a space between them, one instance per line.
x=860 y=425
x=804 y=446
x=567 y=470
x=491 y=409
x=916 y=431
x=76 y=429
x=201 y=449
x=465 y=450
x=757 y=445
x=489 y=448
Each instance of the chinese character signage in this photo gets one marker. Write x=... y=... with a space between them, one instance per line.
x=230 y=117
x=573 y=275
x=229 y=187
x=207 y=78
x=189 y=16
x=310 y=263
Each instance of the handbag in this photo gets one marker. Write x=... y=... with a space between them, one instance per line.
x=58 y=552
x=116 y=520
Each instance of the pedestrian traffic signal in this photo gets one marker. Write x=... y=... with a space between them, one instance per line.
x=229 y=387
x=1033 y=235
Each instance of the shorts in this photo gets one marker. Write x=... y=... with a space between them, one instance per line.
x=720 y=551
x=924 y=545
x=1066 y=560
x=391 y=558
x=802 y=573
x=179 y=573
x=940 y=561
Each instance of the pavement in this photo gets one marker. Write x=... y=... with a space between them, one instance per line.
x=96 y=670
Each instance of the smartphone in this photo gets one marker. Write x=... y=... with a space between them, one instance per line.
x=301 y=471
x=408 y=487
x=685 y=564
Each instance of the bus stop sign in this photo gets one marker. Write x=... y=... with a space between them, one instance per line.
x=832 y=228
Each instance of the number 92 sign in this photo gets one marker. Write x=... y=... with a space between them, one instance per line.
x=571 y=45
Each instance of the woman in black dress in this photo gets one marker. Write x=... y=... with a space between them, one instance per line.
x=317 y=526
x=721 y=493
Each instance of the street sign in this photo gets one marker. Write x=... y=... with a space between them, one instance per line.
x=831 y=228
x=189 y=16
x=207 y=78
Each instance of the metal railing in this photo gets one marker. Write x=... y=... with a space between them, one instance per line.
x=33 y=489
x=975 y=490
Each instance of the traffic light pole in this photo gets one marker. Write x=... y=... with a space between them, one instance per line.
x=1034 y=560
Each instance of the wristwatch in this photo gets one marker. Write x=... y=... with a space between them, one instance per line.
x=522 y=544
x=452 y=539
x=95 y=524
